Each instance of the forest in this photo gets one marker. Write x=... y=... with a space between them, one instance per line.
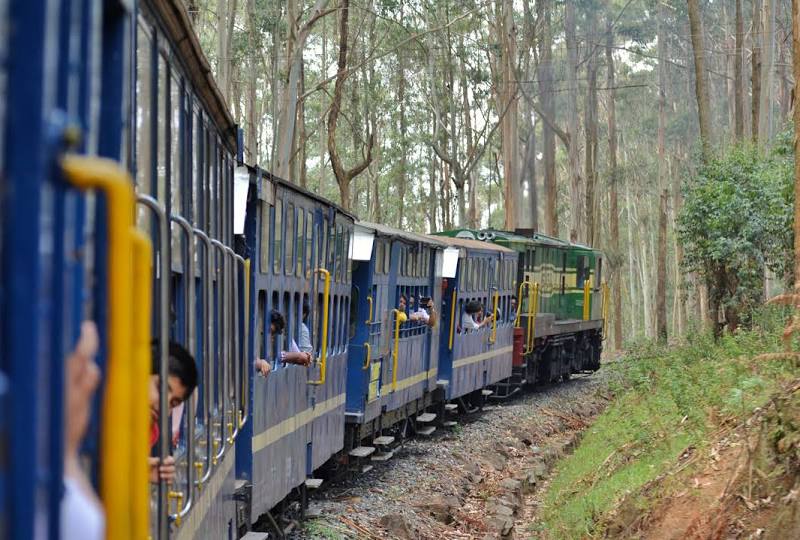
x=658 y=132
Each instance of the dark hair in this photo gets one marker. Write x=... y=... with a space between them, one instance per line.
x=306 y=308
x=403 y=297
x=473 y=306
x=181 y=365
x=277 y=319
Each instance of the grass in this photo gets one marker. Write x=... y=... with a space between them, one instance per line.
x=669 y=399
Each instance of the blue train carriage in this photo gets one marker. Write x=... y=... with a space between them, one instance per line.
x=300 y=246
x=182 y=149
x=68 y=252
x=471 y=360
x=393 y=351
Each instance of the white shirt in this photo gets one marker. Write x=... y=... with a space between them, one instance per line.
x=421 y=315
x=81 y=518
x=305 y=339
x=468 y=323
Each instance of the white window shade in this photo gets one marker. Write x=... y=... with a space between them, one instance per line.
x=361 y=246
x=241 y=183
x=450 y=263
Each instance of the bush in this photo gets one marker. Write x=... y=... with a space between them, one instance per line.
x=736 y=222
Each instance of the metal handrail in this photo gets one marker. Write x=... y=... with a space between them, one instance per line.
x=221 y=274
x=369 y=318
x=325 y=312
x=533 y=311
x=493 y=339
x=191 y=340
x=368 y=361
x=586 y=298
x=396 y=349
x=524 y=283
x=245 y=365
x=162 y=270
x=234 y=344
x=204 y=476
x=452 y=318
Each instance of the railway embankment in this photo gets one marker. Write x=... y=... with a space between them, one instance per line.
x=471 y=481
x=702 y=440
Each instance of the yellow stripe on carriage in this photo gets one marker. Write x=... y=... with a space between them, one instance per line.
x=482 y=356
x=293 y=423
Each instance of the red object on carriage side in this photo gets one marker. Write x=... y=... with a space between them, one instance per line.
x=519 y=342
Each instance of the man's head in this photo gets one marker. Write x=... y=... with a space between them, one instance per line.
x=276 y=323
x=306 y=309
x=181 y=377
x=473 y=307
x=412 y=301
x=401 y=304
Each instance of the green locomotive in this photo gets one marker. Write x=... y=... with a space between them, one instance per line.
x=562 y=305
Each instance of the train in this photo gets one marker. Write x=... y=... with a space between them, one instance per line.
x=125 y=200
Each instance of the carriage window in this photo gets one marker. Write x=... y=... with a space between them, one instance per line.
x=309 y=241
x=331 y=247
x=387 y=253
x=177 y=127
x=582 y=271
x=144 y=107
x=354 y=302
x=599 y=273
x=213 y=184
x=265 y=219
x=291 y=219
x=277 y=233
x=347 y=263
x=196 y=148
x=301 y=227
x=161 y=136
x=379 y=257
x=339 y=249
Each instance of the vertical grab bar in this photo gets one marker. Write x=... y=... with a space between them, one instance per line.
x=325 y=312
x=525 y=283
x=143 y=294
x=233 y=345
x=452 y=318
x=586 y=299
x=164 y=423
x=222 y=276
x=493 y=339
x=369 y=319
x=396 y=348
x=244 y=393
x=207 y=316
x=191 y=341
x=124 y=486
x=533 y=310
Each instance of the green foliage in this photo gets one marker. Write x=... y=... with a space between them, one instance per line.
x=668 y=400
x=737 y=222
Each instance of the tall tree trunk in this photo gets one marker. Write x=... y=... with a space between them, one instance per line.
x=578 y=216
x=767 y=71
x=251 y=141
x=222 y=42
x=510 y=101
x=302 y=136
x=796 y=66
x=701 y=80
x=343 y=176
x=545 y=76
x=661 y=285
x=590 y=157
x=616 y=259
x=402 y=177
x=738 y=80
x=755 y=75
x=632 y=273
x=287 y=114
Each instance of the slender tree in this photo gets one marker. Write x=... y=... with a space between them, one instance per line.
x=700 y=78
x=613 y=211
